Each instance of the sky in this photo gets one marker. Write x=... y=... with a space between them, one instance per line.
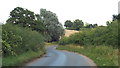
x=90 y=11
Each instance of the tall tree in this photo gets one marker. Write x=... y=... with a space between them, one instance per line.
x=39 y=26
x=26 y=18
x=22 y=17
x=53 y=26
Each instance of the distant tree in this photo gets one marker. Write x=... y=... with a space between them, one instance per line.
x=116 y=17
x=78 y=24
x=95 y=25
x=68 y=23
x=90 y=25
x=53 y=26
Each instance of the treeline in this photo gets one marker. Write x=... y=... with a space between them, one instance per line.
x=26 y=31
x=100 y=35
x=78 y=25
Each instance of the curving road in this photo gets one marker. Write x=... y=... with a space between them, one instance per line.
x=61 y=58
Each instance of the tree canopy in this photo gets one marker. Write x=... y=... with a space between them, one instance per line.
x=22 y=17
x=46 y=22
x=68 y=23
x=78 y=24
x=53 y=26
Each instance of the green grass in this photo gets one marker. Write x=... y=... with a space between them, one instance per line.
x=20 y=59
x=0 y=61
x=101 y=55
x=51 y=43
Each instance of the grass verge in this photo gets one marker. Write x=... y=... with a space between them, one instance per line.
x=20 y=59
x=51 y=43
x=101 y=55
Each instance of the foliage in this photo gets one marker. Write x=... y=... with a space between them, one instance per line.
x=116 y=17
x=26 y=18
x=21 y=16
x=51 y=43
x=0 y=43
x=90 y=26
x=45 y=23
x=75 y=25
x=19 y=60
x=17 y=40
x=53 y=26
x=68 y=23
x=64 y=41
x=78 y=24
x=102 y=55
x=106 y=35
x=25 y=31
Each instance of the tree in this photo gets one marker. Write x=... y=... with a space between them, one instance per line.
x=68 y=23
x=95 y=25
x=53 y=26
x=22 y=17
x=26 y=18
x=78 y=24
x=91 y=25
x=116 y=17
x=38 y=25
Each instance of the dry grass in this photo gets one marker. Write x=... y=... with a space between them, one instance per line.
x=69 y=32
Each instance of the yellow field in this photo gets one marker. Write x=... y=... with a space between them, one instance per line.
x=69 y=32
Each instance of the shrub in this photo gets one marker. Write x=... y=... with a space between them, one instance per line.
x=64 y=41
x=107 y=35
x=17 y=40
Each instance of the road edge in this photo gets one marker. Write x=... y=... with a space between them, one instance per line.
x=92 y=63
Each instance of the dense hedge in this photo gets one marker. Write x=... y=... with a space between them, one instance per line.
x=101 y=35
x=17 y=40
x=0 y=40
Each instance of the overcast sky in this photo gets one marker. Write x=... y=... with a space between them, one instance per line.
x=90 y=11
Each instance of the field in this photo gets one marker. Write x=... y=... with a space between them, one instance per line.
x=69 y=32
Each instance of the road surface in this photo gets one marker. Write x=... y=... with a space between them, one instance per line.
x=61 y=58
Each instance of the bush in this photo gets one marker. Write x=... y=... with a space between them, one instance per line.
x=21 y=59
x=64 y=41
x=106 y=35
x=17 y=40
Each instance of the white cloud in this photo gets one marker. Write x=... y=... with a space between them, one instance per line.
x=91 y=11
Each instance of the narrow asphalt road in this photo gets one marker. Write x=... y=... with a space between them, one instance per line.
x=61 y=58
